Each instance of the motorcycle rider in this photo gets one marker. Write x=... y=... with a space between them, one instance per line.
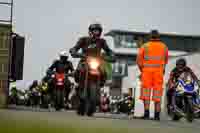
x=63 y=65
x=62 y=62
x=181 y=66
x=33 y=85
x=44 y=92
x=90 y=45
x=14 y=92
x=93 y=44
x=34 y=89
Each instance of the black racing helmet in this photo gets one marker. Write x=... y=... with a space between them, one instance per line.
x=181 y=62
x=95 y=26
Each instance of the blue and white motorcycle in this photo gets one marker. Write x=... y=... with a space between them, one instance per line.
x=185 y=101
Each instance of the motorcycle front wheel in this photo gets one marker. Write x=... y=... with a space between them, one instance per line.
x=91 y=99
x=189 y=109
x=176 y=101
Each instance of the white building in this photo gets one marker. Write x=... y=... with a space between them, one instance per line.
x=125 y=44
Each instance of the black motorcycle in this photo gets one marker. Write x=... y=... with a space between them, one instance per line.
x=122 y=105
x=90 y=92
x=126 y=105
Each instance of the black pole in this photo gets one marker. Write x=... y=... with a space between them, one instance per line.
x=10 y=51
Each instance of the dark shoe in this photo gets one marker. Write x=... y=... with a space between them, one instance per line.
x=168 y=109
x=146 y=118
x=157 y=116
x=146 y=115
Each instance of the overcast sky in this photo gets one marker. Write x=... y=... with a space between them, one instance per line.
x=52 y=25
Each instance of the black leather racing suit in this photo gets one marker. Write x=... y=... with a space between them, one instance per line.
x=65 y=66
x=90 y=46
x=60 y=65
x=174 y=75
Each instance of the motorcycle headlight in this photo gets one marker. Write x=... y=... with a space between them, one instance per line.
x=53 y=76
x=93 y=63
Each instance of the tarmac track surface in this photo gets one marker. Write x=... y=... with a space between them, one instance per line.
x=101 y=120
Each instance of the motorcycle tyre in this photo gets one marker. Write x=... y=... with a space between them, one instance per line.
x=189 y=110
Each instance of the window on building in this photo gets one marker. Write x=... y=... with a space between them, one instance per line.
x=3 y=67
x=4 y=41
x=196 y=44
x=170 y=43
x=117 y=82
x=125 y=41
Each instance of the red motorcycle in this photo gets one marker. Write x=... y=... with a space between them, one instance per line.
x=104 y=104
x=59 y=85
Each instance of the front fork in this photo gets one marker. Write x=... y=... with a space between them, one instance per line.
x=180 y=112
x=174 y=108
x=86 y=82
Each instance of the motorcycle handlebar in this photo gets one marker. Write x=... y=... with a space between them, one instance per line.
x=78 y=55
x=66 y=75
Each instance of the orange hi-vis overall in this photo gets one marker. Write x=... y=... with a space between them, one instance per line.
x=152 y=58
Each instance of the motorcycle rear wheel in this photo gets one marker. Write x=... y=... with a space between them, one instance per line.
x=59 y=100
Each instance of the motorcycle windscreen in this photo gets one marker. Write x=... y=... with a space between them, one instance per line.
x=188 y=88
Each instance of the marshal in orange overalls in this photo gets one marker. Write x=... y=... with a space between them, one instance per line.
x=151 y=60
